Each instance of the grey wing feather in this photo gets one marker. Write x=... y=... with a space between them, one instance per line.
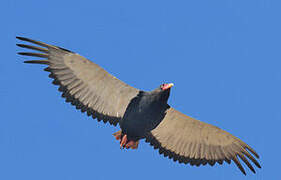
x=83 y=83
x=188 y=140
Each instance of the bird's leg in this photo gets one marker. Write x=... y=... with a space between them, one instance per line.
x=132 y=144
x=124 y=142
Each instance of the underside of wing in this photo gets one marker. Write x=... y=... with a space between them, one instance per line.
x=82 y=82
x=188 y=140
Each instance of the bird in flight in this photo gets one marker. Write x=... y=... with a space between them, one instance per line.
x=140 y=114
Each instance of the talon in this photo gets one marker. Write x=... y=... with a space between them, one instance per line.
x=123 y=142
x=132 y=144
x=135 y=145
x=129 y=144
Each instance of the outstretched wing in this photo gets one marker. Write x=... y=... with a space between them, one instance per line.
x=83 y=83
x=188 y=140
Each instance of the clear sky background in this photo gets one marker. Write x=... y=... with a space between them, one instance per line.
x=223 y=57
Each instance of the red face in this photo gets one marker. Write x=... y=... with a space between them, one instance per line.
x=166 y=86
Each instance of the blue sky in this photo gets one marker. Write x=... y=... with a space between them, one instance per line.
x=223 y=57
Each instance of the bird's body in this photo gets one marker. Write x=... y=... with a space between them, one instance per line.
x=140 y=114
x=144 y=112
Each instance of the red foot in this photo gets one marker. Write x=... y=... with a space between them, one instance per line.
x=124 y=143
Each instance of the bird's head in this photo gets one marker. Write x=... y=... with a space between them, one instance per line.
x=166 y=87
x=162 y=93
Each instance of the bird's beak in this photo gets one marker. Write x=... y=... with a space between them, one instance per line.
x=168 y=86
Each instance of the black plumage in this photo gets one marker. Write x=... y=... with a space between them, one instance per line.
x=144 y=113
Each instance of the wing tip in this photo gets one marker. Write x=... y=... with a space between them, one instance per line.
x=258 y=165
x=37 y=62
x=20 y=45
x=40 y=43
x=22 y=38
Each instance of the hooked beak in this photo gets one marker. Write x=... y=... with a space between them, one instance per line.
x=167 y=86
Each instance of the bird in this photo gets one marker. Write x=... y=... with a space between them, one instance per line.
x=140 y=114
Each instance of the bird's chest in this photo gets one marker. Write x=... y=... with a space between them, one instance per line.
x=140 y=117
